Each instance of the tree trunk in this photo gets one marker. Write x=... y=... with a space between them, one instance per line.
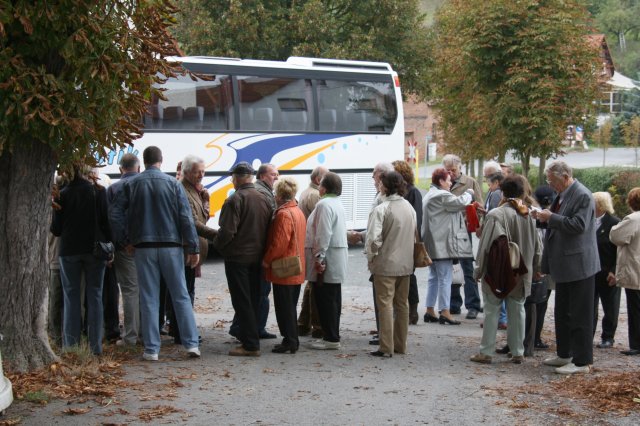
x=25 y=209
x=541 y=176
x=526 y=161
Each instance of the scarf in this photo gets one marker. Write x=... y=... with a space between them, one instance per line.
x=517 y=204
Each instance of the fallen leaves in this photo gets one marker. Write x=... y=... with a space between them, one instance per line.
x=75 y=378
x=76 y=411
x=150 y=414
x=606 y=393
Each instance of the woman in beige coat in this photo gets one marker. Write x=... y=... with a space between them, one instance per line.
x=626 y=235
x=391 y=231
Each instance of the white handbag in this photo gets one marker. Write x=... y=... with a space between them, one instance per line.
x=457 y=277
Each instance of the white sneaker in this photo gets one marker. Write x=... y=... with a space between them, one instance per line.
x=149 y=357
x=193 y=352
x=557 y=361
x=324 y=345
x=571 y=368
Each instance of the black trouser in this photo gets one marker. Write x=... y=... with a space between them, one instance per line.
x=530 y=311
x=110 y=302
x=633 y=317
x=244 y=288
x=414 y=299
x=263 y=313
x=285 y=300
x=574 y=320
x=610 y=298
x=329 y=303
x=190 y=278
x=471 y=292
x=541 y=312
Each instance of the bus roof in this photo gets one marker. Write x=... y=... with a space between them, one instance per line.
x=292 y=62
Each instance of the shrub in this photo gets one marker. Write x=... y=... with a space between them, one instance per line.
x=618 y=181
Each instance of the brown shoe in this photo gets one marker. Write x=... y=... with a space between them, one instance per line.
x=481 y=358
x=240 y=351
x=517 y=359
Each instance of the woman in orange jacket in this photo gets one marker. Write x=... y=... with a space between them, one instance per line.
x=286 y=239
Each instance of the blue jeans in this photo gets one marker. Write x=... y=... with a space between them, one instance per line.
x=439 y=284
x=168 y=262
x=503 y=313
x=471 y=292
x=72 y=269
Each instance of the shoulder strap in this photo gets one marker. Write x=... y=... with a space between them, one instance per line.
x=293 y=222
x=506 y=223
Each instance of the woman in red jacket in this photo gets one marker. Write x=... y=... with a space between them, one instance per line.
x=286 y=239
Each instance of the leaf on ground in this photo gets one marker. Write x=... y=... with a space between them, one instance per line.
x=76 y=411
x=150 y=414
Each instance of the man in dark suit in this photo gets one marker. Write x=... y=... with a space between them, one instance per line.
x=571 y=257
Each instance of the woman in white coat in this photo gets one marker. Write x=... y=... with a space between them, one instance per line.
x=626 y=235
x=445 y=235
x=326 y=253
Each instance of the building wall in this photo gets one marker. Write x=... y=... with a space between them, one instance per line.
x=419 y=125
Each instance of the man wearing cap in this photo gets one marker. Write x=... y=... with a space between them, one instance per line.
x=244 y=220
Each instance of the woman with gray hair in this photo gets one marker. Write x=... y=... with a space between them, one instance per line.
x=606 y=290
x=286 y=239
x=326 y=257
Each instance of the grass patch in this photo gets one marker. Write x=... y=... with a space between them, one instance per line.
x=37 y=397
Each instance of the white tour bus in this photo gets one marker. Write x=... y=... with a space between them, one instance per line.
x=299 y=114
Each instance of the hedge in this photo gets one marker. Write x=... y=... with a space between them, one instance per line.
x=618 y=181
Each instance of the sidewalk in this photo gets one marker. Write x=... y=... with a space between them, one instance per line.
x=434 y=383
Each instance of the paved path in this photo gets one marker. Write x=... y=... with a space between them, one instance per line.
x=434 y=383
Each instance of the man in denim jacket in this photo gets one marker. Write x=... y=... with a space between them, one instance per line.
x=152 y=211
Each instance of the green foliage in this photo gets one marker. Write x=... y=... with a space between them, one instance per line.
x=617 y=181
x=378 y=30
x=511 y=75
x=618 y=19
x=76 y=73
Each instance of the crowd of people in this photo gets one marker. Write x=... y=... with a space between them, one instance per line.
x=560 y=236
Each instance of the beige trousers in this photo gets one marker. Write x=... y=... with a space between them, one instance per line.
x=393 y=312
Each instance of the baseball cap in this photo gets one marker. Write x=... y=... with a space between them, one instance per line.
x=242 y=168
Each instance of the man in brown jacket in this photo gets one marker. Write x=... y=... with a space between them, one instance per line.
x=192 y=172
x=241 y=239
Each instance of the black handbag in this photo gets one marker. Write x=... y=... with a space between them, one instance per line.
x=102 y=250
x=538 y=292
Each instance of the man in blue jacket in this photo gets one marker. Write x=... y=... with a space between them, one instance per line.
x=151 y=217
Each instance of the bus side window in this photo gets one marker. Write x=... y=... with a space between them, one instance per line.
x=295 y=120
x=170 y=116
x=328 y=120
x=263 y=119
